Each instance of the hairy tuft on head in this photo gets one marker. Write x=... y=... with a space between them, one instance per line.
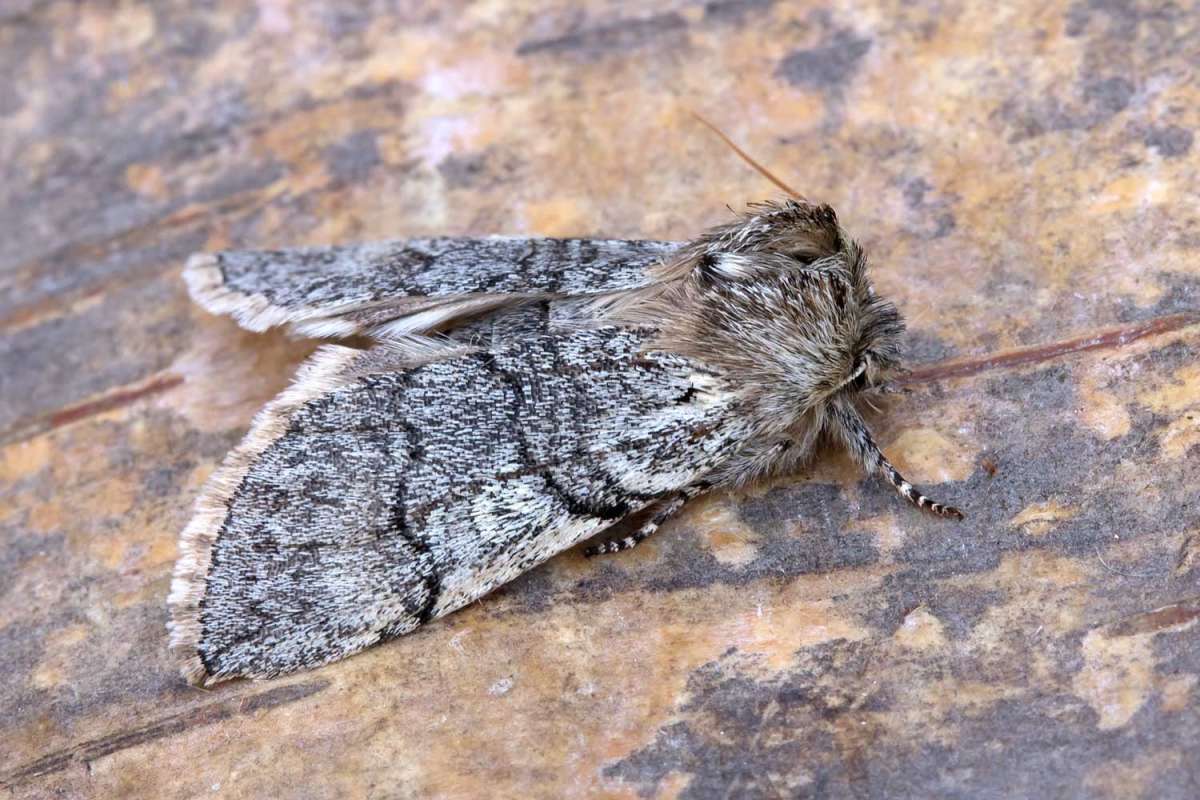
x=781 y=301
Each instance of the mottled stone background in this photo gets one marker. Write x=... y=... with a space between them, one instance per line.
x=1026 y=176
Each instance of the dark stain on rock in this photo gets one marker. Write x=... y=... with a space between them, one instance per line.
x=83 y=243
x=1047 y=388
x=168 y=485
x=1097 y=98
x=1098 y=102
x=797 y=733
x=897 y=596
x=828 y=67
x=960 y=610
x=957 y=549
x=24 y=644
x=1038 y=746
x=933 y=214
x=749 y=737
x=923 y=347
x=1182 y=296
x=345 y=19
x=188 y=37
x=796 y=537
x=351 y=160
x=1168 y=358
x=136 y=668
x=1121 y=41
x=914 y=192
x=801 y=533
x=734 y=12
x=1107 y=97
x=618 y=36
x=18 y=546
x=48 y=286
x=1171 y=141
x=1122 y=17
x=462 y=172
x=943 y=225
x=19 y=13
x=486 y=168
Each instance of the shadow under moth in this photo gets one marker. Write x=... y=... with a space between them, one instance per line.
x=518 y=396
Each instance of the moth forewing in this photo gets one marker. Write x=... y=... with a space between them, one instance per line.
x=410 y=286
x=375 y=496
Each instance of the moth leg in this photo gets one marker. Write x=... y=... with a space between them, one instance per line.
x=909 y=492
x=858 y=438
x=663 y=511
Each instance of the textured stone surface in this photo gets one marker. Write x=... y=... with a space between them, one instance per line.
x=1025 y=175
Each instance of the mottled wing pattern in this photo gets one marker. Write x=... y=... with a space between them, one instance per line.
x=411 y=285
x=372 y=497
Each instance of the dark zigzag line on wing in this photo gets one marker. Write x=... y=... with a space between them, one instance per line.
x=430 y=576
x=575 y=506
x=608 y=483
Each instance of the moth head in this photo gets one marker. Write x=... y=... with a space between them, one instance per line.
x=799 y=232
x=782 y=297
x=871 y=346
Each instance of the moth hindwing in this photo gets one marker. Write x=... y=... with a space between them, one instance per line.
x=521 y=396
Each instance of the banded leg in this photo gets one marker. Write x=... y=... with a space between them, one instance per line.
x=910 y=493
x=663 y=511
x=858 y=438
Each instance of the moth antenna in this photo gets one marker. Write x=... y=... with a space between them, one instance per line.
x=742 y=154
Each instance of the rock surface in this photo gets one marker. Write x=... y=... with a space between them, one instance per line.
x=1025 y=176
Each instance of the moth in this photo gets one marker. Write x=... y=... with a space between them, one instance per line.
x=516 y=397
